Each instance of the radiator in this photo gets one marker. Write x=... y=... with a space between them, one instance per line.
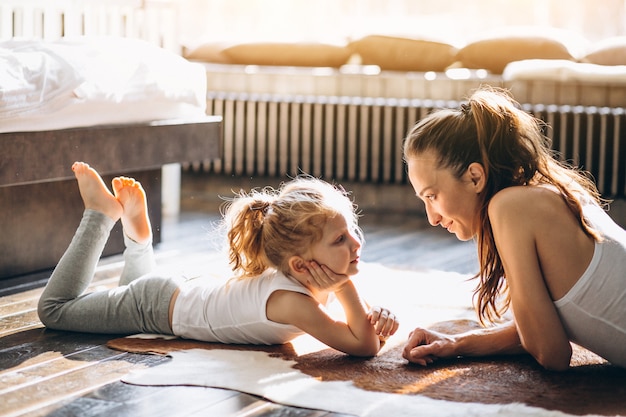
x=360 y=139
x=592 y=138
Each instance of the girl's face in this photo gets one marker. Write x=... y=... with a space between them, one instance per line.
x=339 y=248
x=450 y=202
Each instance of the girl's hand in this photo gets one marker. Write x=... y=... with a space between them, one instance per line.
x=323 y=278
x=384 y=321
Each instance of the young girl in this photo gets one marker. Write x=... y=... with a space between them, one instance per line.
x=546 y=247
x=290 y=249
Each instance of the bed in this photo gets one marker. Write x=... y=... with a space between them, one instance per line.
x=123 y=104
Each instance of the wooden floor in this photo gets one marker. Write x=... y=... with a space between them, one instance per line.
x=51 y=373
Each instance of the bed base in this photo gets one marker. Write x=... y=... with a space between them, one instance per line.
x=40 y=203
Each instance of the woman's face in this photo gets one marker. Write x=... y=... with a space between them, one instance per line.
x=450 y=202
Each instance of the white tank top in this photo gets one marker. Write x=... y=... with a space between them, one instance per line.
x=593 y=312
x=235 y=312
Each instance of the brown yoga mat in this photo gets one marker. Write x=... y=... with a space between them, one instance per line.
x=590 y=386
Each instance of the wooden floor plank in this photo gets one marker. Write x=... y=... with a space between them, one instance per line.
x=52 y=364
x=88 y=376
x=27 y=345
x=122 y=400
x=19 y=323
x=19 y=306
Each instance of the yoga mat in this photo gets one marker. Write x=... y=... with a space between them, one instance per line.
x=275 y=379
x=386 y=384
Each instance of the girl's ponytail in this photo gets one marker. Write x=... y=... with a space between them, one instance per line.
x=267 y=227
x=245 y=218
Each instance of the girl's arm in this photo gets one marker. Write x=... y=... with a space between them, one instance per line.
x=358 y=335
x=517 y=226
x=355 y=337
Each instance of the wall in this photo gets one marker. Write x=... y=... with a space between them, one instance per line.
x=455 y=20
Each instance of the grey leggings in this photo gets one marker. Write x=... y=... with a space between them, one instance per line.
x=139 y=305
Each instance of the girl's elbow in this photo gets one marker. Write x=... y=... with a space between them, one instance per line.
x=366 y=350
x=369 y=353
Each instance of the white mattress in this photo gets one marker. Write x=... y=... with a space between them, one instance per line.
x=95 y=81
x=565 y=71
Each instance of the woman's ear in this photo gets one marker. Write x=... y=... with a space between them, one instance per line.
x=477 y=176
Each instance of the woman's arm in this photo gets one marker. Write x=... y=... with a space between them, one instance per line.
x=425 y=346
x=521 y=223
x=517 y=224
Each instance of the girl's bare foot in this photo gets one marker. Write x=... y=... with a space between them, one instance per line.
x=135 y=219
x=94 y=192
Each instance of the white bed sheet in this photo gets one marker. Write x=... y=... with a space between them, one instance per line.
x=564 y=71
x=86 y=81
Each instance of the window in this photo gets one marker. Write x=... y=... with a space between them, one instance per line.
x=456 y=21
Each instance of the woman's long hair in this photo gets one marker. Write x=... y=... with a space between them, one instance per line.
x=509 y=143
x=266 y=227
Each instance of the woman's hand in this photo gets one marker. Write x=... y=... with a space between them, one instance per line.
x=426 y=346
x=384 y=321
x=322 y=278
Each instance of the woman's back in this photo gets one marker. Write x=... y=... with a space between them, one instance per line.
x=586 y=279
x=593 y=312
x=562 y=248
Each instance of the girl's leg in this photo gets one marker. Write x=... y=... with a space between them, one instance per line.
x=139 y=254
x=75 y=270
x=140 y=307
x=138 y=260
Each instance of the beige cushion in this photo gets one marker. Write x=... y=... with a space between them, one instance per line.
x=403 y=54
x=208 y=52
x=495 y=53
x=299 y=54
x=610 y=51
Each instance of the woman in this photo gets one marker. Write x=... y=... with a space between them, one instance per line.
x=547 y=250
x=290 y=250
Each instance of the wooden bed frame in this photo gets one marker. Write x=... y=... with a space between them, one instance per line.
x=40 y=206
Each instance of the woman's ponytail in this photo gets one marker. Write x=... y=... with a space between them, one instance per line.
x=492 y=129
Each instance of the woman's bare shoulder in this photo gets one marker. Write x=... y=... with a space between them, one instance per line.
x=536 y=202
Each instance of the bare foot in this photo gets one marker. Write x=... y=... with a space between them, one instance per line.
x=135 y=219
x=94 y=192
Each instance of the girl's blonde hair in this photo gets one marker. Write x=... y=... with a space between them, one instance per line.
x=268 y=226
x=493 y=130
